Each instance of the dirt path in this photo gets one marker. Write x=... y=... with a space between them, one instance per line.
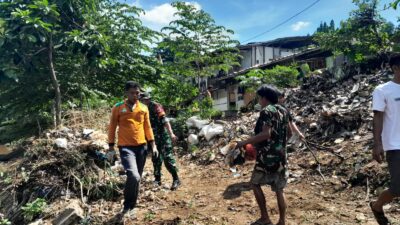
x=211 y=195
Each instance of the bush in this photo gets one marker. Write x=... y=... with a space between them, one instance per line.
x=281 y=76
x=34 y=209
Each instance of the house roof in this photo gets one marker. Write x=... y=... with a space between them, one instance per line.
x=287 y=42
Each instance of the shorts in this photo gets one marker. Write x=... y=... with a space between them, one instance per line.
x=277 y=180
x=393 y=159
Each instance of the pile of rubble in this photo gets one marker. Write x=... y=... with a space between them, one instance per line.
x=336 y=118
x=62 y=164
x=334 y=111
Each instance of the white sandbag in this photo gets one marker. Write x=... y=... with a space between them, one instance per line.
x=210 y=131
x=196 y=122
x=193 y=139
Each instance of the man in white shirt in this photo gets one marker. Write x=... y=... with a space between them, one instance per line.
x=386 y=106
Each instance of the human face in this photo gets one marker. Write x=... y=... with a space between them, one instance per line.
x=281 y=100
x=396 y=70
x=262 y=101
x=133 y=94
x=146 y=101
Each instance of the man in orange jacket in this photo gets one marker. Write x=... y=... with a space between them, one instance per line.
x=132 y=118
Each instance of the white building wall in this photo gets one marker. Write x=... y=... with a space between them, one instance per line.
x=259 y=55
x=269 y=54
x=246 y=60
x=220 y=101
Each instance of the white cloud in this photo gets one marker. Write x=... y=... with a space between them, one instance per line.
x=161 y=15
x=300 y=25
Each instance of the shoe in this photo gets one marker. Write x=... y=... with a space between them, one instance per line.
x=175 y=185
x=128 y=214
x=157 y=183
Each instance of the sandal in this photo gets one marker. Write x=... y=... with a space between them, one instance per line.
x=379 y=216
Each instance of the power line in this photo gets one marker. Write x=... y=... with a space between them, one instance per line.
x=287 y=20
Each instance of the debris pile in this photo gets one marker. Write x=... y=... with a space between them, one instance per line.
x=336 y=118
x=63 y=163
x=335 y=111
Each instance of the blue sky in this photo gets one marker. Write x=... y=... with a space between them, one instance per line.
x=251 y=17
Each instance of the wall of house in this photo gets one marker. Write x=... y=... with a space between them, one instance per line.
x=220 y=99
x=259 y=55
x=246 y=58
x=269 y=54
x=286 y=52
x=223 y=98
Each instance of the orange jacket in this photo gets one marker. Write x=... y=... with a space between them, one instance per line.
x=134 y=125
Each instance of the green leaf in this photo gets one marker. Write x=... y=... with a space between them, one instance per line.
x=31 y=38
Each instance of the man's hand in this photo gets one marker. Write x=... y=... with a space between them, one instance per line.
x=155 y=152
x=239 y=145
x=110 y=154
x=302 y=137
x=173 y=138
x=378 y=154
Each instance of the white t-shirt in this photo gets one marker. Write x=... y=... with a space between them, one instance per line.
x=386 y=98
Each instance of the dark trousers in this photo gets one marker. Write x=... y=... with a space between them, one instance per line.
x=133 y=159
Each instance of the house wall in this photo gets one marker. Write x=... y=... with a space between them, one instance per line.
x=269 y=54
x=220 y=99
x=286 y=52
x=246 y=59
x=259 y=55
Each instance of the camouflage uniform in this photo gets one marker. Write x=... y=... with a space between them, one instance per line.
x=271 y=162
x=163 y=142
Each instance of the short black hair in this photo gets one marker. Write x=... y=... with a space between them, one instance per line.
x=131 y=84
x=394 y=60
x=281 y=93
x=210 y=87
x=269 y=92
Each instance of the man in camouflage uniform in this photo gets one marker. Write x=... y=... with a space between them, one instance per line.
x=271 y=134
x=163 y=136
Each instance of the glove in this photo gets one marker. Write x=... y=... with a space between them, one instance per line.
x=155 y=152
x=110 y=155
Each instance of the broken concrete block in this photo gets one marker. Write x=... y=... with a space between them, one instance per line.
x=72 y=214
x=61 y=143
x=87 y=133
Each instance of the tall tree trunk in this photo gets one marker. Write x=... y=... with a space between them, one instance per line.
x=56 y=85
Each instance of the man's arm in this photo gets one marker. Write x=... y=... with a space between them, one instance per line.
x=167 y=125
x=262 y=136
x=378 y=106
x=295 y=129
x=378 y=152
x=148 y=131
x=112 y=127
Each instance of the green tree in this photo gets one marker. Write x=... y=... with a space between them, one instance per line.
x=33 y=33
x=200 y=47
x=332 y=26
x=395 y=4
x=95 y=46
x=194 y=47
x=363 y=34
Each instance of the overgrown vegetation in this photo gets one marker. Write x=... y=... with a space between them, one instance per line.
x=363 y=35
x=280 y=76
x=33 y=209
x=61 y=55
